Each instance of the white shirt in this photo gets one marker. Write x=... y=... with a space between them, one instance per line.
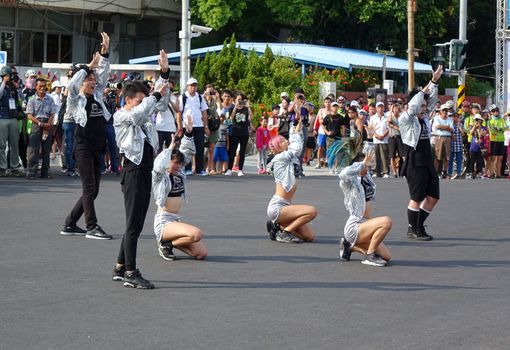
x=58 y=104
x=165 y=121
x=194 y=108
x=380 y=128
x=440 y=121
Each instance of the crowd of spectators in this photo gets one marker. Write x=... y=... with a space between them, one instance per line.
x=35 y=127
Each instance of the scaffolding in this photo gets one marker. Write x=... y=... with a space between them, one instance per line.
x=502 y=42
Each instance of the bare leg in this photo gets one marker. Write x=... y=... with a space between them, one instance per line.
x=428 y=204
x=293 y=218
x=372 y=232
x=187 y=238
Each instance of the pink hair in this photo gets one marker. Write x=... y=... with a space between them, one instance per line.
x=275 y=143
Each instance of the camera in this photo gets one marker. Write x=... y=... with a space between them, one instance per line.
x=115 y=86
x=212 y=93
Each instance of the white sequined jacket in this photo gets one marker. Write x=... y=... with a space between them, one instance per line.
x=354 y=194
x=283 y=163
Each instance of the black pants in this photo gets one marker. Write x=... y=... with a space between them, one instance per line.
x=199 y=140
x=164 y=138
x=476 y=160
x=234 y=141
x=136 y=187
x=87 y=162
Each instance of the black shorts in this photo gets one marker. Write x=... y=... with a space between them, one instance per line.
x=497 y=148
x=422 y=183
x=395 y=146
x=310 y=142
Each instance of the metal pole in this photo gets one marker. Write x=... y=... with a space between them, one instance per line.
x=461 y=89
x=185 y=37
x=383 y=70
x=411 y=9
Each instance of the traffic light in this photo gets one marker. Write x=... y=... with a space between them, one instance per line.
x=457 y=54
x=438 y=56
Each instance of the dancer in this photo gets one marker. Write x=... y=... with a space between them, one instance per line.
x=418 y=167
x=169 y=187
x=137 y=140
x=288 y=223
x=362 y=234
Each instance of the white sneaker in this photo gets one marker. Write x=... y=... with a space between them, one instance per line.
x=240 y=173
x=386 y=176
x=228 y=173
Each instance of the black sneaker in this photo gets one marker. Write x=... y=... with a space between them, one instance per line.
x=418 y=234
x=345 y=250
x=134 y=279
x=72 y=231
x=272 y=229
x=97 y=233
x=373 y=260
x=119 y=273
x=165 y=251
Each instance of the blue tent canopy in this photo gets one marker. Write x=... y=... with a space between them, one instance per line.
x=313 y=55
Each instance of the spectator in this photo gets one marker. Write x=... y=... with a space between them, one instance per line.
x=220 y=157
x=9 y=134
x=497 y=127
x=320 y=131
x=192 y=103
x=442 y=128
x=468 y=123
x=262 y=143
x=41 y=110
x=478 y=147
x=273 y=123
x=241 y=122
x=166 y=121
x=395 y=144
x=334 y=127
x=110 y=101
x=85 y=103
x=456 y=147
x=380 y=139
x=212 y=99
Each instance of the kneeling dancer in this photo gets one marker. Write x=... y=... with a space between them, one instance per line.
x=363 y=234
x=288 y=223
x=169 y=188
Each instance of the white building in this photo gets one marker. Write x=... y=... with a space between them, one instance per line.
x=33 y=32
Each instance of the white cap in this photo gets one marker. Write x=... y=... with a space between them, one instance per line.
x=284 y=94
x=380 y=103
x=56 y=84
x=191 y=81
x=478 y=117
x=444 y=106
x=354 y=103
x=450 y=104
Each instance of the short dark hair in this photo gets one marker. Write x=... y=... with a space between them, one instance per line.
x=177 y=155
x=227 y=91
x=299 y=90
x=131 y=88
x=41 y=79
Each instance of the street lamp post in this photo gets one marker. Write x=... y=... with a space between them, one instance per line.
x=385 y=53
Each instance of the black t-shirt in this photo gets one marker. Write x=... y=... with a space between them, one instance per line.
x=334 y=122
x=369 y=189
x=177 y=186
x=241 y=123
x=93 y=135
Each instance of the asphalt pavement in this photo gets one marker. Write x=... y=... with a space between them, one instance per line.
x=251 y=293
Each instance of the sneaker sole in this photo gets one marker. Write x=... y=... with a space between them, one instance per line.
x=131 y=285
x=371 y=263
x=100 y=238
x=418 y=238
x=167 y=258
x=117 y=278
x=63 y=233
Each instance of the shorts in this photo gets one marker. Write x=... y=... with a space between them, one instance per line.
x=395 y=146
x=321 y=140
x=310 y=142
x=213 y=137
x=421 y=183
x=497 y=148
x=351 y=230
x=220 y=154
x=162 y=218
x=275 y=205
x=443 y=147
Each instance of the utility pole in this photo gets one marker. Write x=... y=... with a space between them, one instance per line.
x=185 y=36
x=411 y=9
x=385 y=53
x=461 y=89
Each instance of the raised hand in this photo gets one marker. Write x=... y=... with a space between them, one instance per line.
x=95 y=61
x=188 y=123
x=437 y=74
x=105 y=44
x=162 y=89
x=163 y=61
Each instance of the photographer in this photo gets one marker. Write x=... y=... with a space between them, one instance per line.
x=212 y=99
x=478 y=146
x=9 y=133
x=241 y=120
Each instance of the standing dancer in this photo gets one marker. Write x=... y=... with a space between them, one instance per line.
x=418 y=167
x=361 y=233
x=138 y=142
x=288 y=223
x=169 y=187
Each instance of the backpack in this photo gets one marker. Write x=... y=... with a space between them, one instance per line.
x=213 y=119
